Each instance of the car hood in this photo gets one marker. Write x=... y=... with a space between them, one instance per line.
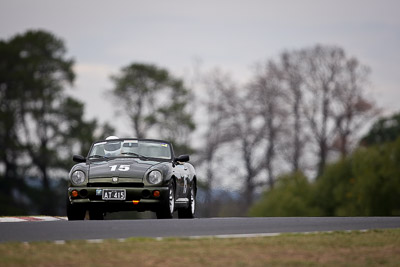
x=122 y=168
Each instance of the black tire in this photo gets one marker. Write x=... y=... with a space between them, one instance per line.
x=96 y=214
x=167 y=209
x=189 y=212
x=75 y=212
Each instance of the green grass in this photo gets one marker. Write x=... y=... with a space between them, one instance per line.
x=380 y=247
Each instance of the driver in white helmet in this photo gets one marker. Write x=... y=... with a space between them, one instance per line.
x=112 y=148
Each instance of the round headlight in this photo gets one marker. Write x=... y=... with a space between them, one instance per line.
x=155 y=177
x=78 y=177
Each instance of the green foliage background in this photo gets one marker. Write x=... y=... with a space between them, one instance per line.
x=366 y=183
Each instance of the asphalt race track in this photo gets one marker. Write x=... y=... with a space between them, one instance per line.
x=116 y=229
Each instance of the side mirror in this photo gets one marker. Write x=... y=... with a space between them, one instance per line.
x=78 y=158
x=182 y=158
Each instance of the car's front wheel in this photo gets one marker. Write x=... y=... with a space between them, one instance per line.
x=75 y=212
x=167 y=209
x=188 y=213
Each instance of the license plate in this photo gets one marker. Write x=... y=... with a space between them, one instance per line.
x=114 y=194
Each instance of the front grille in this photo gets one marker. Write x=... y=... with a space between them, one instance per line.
x=115 y=185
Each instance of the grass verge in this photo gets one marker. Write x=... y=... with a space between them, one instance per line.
x=378 y=247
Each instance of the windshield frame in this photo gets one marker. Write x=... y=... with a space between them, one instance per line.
x=144 y=157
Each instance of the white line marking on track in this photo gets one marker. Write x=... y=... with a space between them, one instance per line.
x=32 y=219
x=11 y=219
x=236 y=236
x=99 y=241
x=46 y=218
x=265 y=234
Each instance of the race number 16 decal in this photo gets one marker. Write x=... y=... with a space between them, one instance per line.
x=122 y=168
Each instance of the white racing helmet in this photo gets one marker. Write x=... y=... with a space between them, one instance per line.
x=112 y=148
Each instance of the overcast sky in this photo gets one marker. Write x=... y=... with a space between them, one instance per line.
x=103 y=36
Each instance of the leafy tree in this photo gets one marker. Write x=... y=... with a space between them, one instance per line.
x=41 y=72
x=364 y=184
x=42 y=125
x=9 y=95
x=377 y=180
x=386 y=129
x=291 y=196
x=334 y=188
x=77 y=134
x=154 y=100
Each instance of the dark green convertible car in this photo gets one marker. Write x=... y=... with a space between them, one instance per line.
x=131 y=174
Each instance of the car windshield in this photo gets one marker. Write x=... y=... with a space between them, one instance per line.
x=131 y=148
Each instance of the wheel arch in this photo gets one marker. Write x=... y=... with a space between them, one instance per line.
x=173 y=179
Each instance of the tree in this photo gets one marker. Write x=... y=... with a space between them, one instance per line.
x=293 y=84
x=216 y=130
x=39 y=72
x=42 y=124
x=292 y=196
x=232 y=119
x=336 y=104
x=333 y=188
x=154 y=99
x=266 y=94
x=77 y=134
x=9 y=94
x=363 y=184
x=386 y=129
x=322 y=69
x=247 y=133
x=44 y=71
x=353 y=109
x=313 y=96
